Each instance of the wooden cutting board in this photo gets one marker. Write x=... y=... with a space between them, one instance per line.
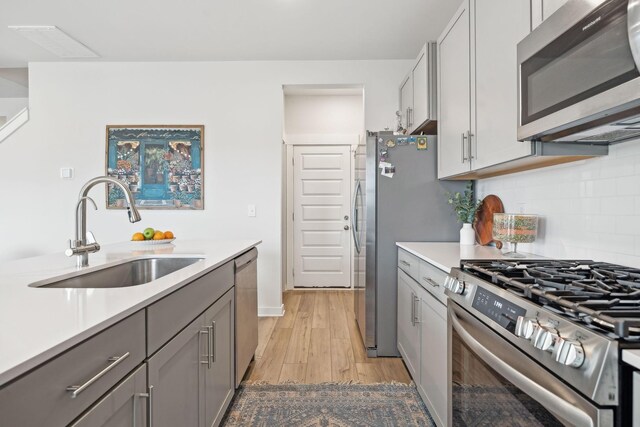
x=483 y=221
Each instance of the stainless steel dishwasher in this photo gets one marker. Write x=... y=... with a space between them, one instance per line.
x=246 y=311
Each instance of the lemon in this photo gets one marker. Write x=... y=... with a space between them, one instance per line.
x=159 y=235
x=137 y=237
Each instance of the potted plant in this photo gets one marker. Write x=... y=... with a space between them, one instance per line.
x=465 y=208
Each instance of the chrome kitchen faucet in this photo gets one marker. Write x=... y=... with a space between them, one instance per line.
x=85 y=242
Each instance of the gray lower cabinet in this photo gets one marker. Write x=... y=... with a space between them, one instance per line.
x=219 y=376
x=432 y=383
x=192 y=377
x=408 y=323
x=125 y=406
x=422 y=330
x=184 y=377
x=60 y=390
x=175 y=378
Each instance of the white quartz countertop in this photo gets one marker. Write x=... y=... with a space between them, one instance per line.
x=39 y=323
x=446 y=255
x=632 y=357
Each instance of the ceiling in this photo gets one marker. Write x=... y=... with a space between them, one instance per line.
x=228 y=30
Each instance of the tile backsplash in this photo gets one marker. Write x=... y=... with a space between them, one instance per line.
x=588 y=209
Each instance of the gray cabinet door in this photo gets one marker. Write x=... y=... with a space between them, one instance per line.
x=433 y=383
x=408 y=327
x=175 y=377
x=454 y=95
x=125 y=406
x=499 y=26
x=219 y=375
x=406 y=101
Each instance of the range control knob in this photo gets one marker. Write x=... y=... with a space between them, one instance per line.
x=545 y=338
x=454 y=285
x=525 y=327
x=569 y=353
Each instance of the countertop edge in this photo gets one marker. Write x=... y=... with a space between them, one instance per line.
x=423 y=257
x=28 y=365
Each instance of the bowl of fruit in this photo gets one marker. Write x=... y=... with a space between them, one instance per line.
x=153 y=237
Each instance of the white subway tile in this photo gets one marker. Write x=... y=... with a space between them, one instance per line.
x=589 y=209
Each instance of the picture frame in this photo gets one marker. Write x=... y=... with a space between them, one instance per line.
x=162 y=165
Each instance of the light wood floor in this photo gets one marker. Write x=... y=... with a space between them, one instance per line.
x=316 y=341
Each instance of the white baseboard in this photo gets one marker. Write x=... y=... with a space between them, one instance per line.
x=271 y=311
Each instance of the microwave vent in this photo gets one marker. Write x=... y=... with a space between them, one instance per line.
x=613 y=136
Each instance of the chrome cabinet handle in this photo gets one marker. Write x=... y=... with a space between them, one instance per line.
x=469 y=136
x=207 y=332
x=135 y=405
x=413 y=310
x=430 y=281
x=405 y=263
x=212 y=349
x=150 y=417
x=416 y=319
x=409 y=117
x=462 y=146
x=115 y=361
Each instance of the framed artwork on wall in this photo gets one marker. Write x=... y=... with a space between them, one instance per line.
x=163 y=165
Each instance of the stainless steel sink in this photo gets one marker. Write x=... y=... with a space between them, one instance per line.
x=130 y=273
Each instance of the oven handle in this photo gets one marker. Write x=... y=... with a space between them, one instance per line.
x=554 y=403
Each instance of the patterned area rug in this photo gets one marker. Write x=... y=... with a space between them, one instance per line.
x=333 y=405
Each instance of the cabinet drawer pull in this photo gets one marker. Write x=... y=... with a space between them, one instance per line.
x=150 y=417
x=430 y=281
x=212 y=350
x=135 y=405
x=416 y=318
x=413 y=309
x=115 y=361
x=464 y=138
x=207 y=332
x=405 y=263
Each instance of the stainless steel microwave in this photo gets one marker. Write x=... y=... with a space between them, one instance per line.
x=578 y=74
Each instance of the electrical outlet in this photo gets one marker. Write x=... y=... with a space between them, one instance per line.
x=251 y=210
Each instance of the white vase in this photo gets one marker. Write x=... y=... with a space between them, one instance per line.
x=467 y=235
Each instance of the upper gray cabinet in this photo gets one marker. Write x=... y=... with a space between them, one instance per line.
x=477 y=86
x=418 y=93
x=542 y=9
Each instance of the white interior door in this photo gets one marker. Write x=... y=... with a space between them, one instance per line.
x=321 y=206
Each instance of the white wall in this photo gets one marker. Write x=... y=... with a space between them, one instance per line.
x=241 y=106
x=589 y=209
x=9 y=107
x=323 y=114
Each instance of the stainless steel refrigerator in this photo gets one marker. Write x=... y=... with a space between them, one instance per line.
x=410 y=205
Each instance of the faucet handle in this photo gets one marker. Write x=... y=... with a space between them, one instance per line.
x=90 y=238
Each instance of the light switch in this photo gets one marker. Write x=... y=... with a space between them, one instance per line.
x=66 y=173
x=251 y=210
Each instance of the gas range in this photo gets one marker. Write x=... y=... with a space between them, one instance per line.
x=573 y=317
x=599 y=296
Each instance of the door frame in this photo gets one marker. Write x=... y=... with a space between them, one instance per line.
x=290 y=142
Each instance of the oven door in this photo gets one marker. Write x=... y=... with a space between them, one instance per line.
x=492 y=383
x=578 y=66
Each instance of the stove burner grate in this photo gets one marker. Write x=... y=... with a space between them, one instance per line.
x=600 y=295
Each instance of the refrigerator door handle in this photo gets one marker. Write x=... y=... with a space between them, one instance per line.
x=354 y=216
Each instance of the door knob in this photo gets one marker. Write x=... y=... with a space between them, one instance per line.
x=346 y=227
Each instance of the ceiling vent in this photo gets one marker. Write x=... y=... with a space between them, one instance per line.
x=54 y=40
